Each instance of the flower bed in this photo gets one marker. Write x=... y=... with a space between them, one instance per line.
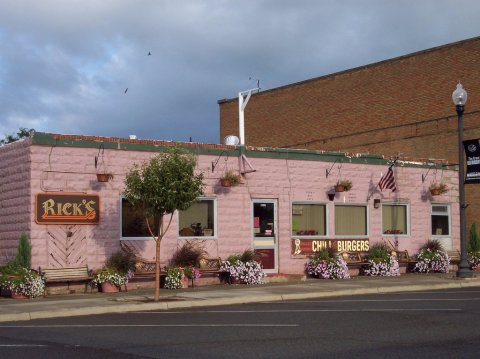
x=388 y=268
x=108 y=275
x=23 y=281
x=249 y=272
x=327 y=266
x=434 y=261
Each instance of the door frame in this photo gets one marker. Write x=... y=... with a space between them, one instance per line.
x=274 y=245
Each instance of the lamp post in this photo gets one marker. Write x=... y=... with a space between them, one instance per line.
x=459 y=97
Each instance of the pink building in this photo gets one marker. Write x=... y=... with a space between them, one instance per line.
x=285 y=208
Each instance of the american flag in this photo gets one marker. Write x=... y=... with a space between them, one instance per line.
x=388 y=181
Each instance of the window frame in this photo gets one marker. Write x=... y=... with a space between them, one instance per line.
x=367 y=220
x=215 y=221
x=449 y=218
x=309 y=236
x=407 y=214
x=122 y=238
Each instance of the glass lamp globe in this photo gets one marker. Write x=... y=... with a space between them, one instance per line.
x=459 y=96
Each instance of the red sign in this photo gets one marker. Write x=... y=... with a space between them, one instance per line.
x=67 y=208
x=304 y=246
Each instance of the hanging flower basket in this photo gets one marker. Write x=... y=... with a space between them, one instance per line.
x=437 y=189
x=104 y=177
x=225 y=182
x=343 y=186
x=229 y=179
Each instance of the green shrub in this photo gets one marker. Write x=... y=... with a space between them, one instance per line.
x=433 y=245
x=188 y=255
x=378 y=253
x=120 y=262
x=473 y=242
x=24 y=252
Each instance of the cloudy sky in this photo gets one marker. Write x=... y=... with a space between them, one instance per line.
x=65 y=64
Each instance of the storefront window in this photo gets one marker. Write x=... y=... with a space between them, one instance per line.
x=134 y=224
x=350 y=220
x=440 y=220
x=395 y=219
x=199 y=220
x=308 y=219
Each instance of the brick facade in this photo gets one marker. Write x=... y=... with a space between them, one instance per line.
x=402 y=105
x=15 y=196
x=57 y=163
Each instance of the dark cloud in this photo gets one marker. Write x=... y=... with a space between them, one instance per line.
x=64 y=66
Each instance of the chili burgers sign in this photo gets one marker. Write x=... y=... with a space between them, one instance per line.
x=67 y=208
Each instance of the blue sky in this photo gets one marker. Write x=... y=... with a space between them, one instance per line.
x=65 y=65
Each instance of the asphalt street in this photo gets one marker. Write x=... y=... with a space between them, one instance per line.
x=440 y=324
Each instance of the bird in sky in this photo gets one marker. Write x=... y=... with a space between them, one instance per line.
x=149 y=53
x=126 y=90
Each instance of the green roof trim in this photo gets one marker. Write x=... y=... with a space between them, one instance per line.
x=123 y=144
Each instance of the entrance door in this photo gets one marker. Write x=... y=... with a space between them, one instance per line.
x=264 y=233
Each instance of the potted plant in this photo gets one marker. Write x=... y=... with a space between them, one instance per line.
x=432 y=258
x=437 y=189
x=175 y=278
x=243 y=268
x=327 y=265
x=343 y=185
x=381 y=262
x=473 y=249
x=118 y=269
x=229 y=179
x=104 y=177
x=21 y=282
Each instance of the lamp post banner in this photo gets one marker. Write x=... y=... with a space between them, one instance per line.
x=472 y=151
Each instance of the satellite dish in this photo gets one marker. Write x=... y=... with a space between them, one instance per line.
x=231 y=140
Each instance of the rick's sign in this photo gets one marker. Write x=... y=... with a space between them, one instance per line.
x=67 y=208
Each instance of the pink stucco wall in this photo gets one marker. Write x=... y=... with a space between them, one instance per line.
x=14 y=196
x=72 y=169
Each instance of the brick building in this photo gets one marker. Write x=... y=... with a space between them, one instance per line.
x=284 y=210
x=401 y=105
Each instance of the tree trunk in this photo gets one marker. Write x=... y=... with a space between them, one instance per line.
x=157 y=259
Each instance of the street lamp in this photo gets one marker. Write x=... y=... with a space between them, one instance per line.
x=459 y=97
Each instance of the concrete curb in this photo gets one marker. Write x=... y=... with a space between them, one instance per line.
x=240 y=299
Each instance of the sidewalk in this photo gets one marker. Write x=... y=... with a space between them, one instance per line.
x=142 y=300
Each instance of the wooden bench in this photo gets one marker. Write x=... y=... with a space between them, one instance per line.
x=404 y=259
x=454 y=258
x=212 y=265
x=143 y=267
x=356 y=261
x=68 y=275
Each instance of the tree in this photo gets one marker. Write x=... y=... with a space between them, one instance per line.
x=22 y=133
x=24 y=252
x=474 y=242
x=160 y=186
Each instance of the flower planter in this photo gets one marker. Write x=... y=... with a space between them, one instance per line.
x=435 y=192
x=104 y=177
x=339 y=188
x=225 y=182
x=108 y=287
x=15 y=295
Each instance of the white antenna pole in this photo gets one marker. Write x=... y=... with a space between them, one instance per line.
x=242 y=103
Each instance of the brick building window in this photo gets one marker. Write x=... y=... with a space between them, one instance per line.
x=440 y=220
x=351 y=220
x=395 y=219
x=199 y=220
x=133 y=223
x=309 y=219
